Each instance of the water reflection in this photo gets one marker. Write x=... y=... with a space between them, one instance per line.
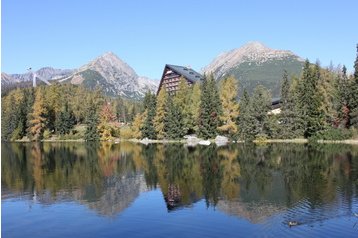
x=255 y=183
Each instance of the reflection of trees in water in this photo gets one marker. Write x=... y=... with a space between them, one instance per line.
x=231 y=177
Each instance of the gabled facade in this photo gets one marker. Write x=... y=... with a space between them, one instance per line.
x=172 y=74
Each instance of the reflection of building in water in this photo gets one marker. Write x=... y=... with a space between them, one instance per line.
x=173 y=197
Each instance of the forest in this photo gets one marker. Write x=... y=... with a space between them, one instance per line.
x=321 y=103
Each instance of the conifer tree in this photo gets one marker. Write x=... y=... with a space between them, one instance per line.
x=343 y=100
x=148 y=130
x=230 y=107
x=245 y=118
x=194 y=106
x=92 y=121
x=210 y=109
x=353 y=101
x=309 y=101
x=160 y=113
x=137 y=125
x=181 y=100
x=173 y=121
x=260 y=106
x=38 y=116
x=287 y=115
x=65 y=120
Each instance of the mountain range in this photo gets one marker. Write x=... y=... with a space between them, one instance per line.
x=252 y=64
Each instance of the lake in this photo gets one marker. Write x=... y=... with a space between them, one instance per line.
x=134 y=190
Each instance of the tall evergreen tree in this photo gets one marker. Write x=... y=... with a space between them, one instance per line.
x=287 y=117
x=194 y=106
x=343 y=95
x=148 y=130
x=260 y=106
x=173 y=121
x=309 y=101
x=353 y=101
x=181 y=100
x=245 y=119
x=65 y=120
x=230 y=106
x=92 y=122
x=210 y=109
x=160 y=114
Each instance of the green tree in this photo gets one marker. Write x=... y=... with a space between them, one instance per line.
x=65 y=120
x=92 y=121
x=182 y=102
x=353 y=101
x=287 y=117
x=260 y=106
x=210 y=109
x=309 y=101
x=230 y=106
x=194 y=106
x=245 y=118
x=148 y=130
x=173 y=121
x=160 y=114
x=343 y=99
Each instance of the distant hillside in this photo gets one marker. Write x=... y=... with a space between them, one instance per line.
x=255 y=64
x=108 y=72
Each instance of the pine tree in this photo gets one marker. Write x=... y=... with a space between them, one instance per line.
x=65 y=120
x=173 y=121
x=230 y=107
x=245 y=119
x=148 y=130
x=194 y=106
x=210 y=109
x=160 y=113
x=287 y=116
x=353 y=100
x=38 y=116
x=343 y=100
x=92 y=121
x=181 y=100
x=309 y=101
x=260 y=106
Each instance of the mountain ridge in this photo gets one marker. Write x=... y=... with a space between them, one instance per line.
x=254 y=63
x=108 y=71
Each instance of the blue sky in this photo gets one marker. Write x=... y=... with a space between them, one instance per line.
x=149 y=34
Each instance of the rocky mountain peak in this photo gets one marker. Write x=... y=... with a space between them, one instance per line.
x=251 y=52
x=108 y=64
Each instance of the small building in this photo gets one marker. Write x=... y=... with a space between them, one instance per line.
x=172 y=74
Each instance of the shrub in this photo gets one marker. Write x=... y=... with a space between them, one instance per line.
x=333 y=134
x=126 y=133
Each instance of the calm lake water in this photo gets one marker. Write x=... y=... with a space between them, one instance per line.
x=134 y=190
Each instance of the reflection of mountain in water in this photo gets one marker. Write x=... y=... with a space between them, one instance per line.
x=295 y=182
x=254 y=212
x=120 y=192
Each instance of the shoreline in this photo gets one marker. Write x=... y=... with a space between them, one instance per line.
x=184 y=141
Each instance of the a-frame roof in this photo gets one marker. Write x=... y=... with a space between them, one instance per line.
x=186 y=72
